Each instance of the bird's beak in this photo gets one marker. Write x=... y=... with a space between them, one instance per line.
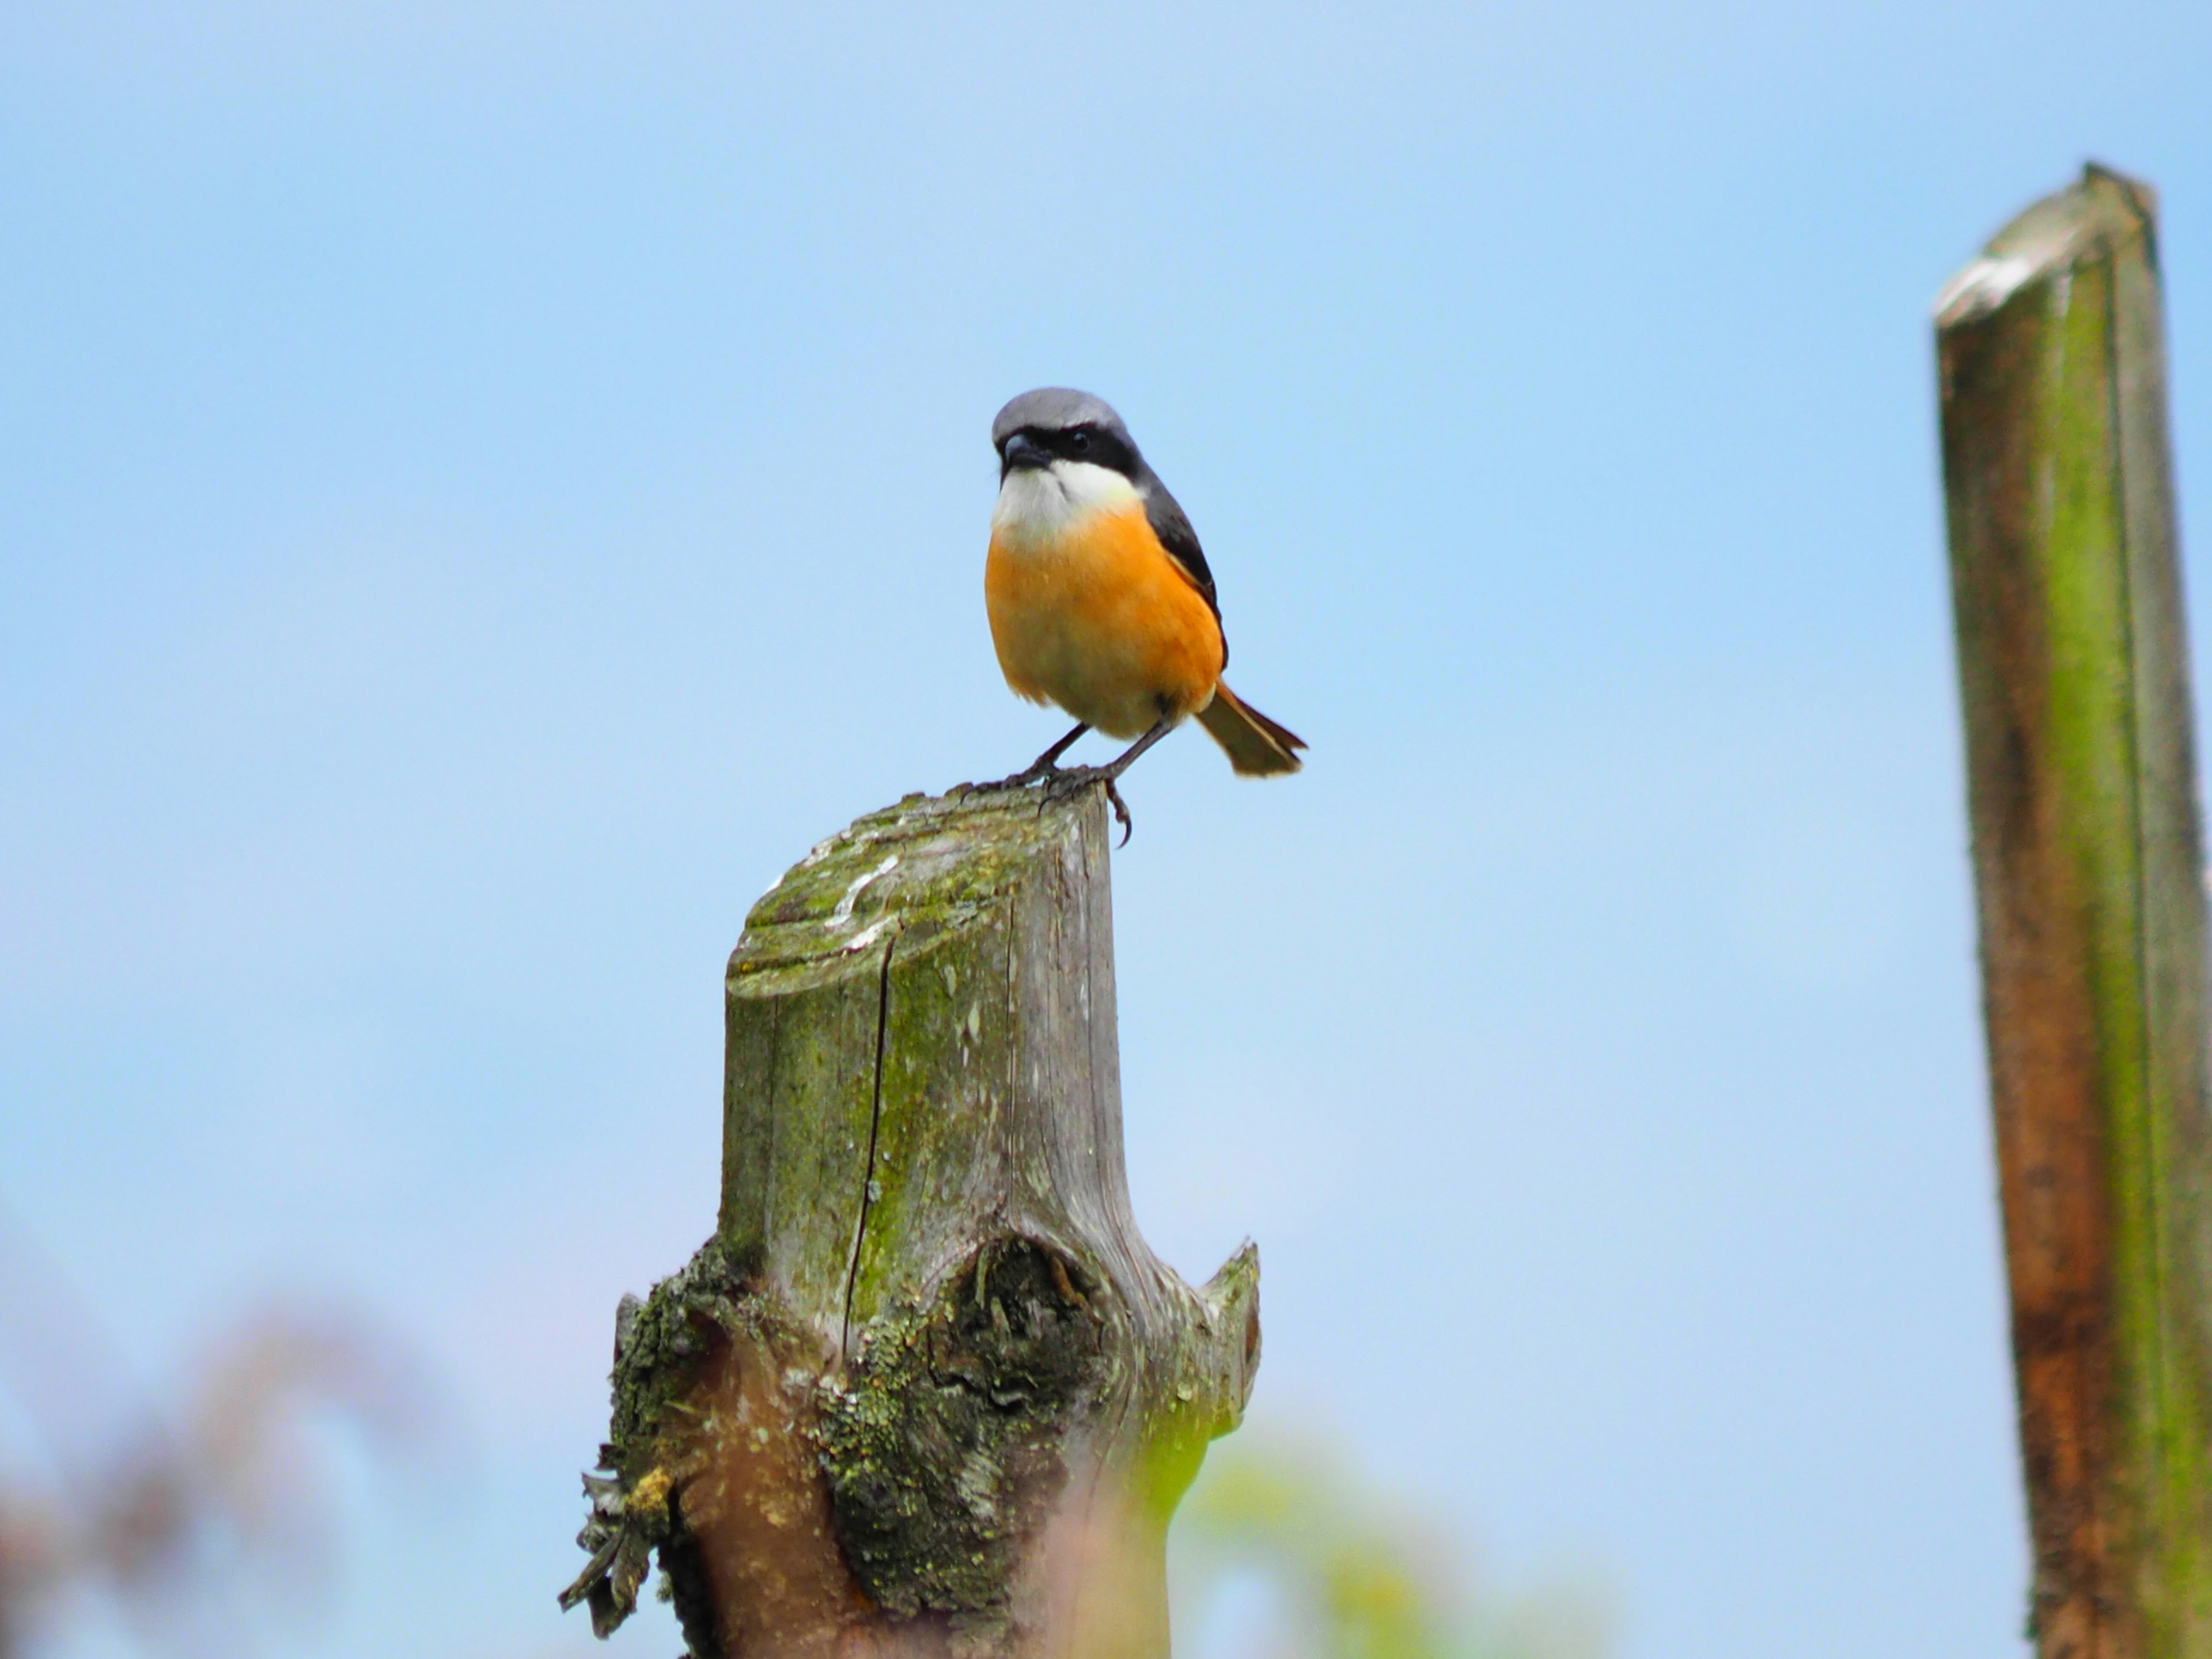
x=1022 y=453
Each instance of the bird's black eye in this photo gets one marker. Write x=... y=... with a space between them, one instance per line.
x=1078 y=442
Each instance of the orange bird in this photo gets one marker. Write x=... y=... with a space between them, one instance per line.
x=1100 y=600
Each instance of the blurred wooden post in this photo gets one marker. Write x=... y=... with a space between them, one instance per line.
x=926 y=1391
x=2090 y=870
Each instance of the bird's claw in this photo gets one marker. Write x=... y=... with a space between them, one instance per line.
x=1063 y=782
x=1121 y=812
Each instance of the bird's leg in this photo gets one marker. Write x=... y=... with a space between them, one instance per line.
x=1044 y=766
x=1049 y=761
x=1075 y=778
x=1127 y=758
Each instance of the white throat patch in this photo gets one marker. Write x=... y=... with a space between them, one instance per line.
x=1042 y=504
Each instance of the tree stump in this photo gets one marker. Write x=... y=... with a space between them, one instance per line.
x=926 y=1390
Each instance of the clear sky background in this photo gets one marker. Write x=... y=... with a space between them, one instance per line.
x=483 y=487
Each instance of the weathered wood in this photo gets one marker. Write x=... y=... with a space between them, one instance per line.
x=925 y=1387
x=2088 y=864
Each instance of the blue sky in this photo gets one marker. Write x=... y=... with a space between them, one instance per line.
x=483 y=487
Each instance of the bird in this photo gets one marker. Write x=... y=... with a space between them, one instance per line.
x=1101 y=601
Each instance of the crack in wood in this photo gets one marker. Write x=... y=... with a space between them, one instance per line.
x=875 y=1127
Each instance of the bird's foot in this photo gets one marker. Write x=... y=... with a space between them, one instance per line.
x=1044 y=766
x=1067 y=781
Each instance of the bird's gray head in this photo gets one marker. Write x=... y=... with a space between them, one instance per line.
x=1057 y=423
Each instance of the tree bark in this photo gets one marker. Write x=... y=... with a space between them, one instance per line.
x=925 y=1389
x=2089 y=863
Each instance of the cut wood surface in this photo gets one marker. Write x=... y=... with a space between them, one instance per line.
x=925 y=1389
x=2089 y=871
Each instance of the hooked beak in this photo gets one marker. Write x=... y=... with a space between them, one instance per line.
x=1022 y=454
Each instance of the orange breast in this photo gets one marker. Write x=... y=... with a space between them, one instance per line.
x=1101 y=621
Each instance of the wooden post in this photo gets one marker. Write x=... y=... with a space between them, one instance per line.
x=2089 y=871
x=925 y=1389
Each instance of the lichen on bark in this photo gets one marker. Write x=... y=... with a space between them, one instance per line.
x=662 y=1346
x=942 y=1440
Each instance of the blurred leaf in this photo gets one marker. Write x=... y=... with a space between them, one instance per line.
x=1362 y=1574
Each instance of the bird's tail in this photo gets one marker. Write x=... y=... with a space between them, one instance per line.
x=1257 y=746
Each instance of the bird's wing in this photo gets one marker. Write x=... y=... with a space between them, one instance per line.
x=1172 y=525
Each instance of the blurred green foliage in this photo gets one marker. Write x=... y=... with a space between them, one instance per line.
x=1356 y=1573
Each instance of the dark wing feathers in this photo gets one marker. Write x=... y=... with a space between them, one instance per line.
x=1172 y=525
